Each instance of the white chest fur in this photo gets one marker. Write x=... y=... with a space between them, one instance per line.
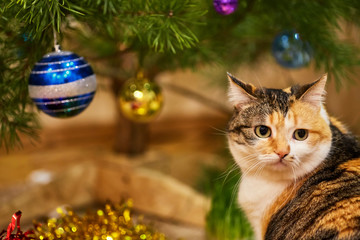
x=255 y=195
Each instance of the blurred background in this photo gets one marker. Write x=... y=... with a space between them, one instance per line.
x=173 y=160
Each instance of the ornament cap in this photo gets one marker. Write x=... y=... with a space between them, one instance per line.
x=57 y=48
x=140 y=74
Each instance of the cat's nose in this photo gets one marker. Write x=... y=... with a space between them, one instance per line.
x=282 y=154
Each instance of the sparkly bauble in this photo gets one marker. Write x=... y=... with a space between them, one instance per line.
x=225 y=7
x=140 y=100
x=62 y=84
x=290 y=50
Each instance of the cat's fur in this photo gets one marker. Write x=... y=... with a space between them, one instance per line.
x=292 y=189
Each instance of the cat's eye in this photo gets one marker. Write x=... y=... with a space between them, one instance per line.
x=262 y=131
x=300 y=134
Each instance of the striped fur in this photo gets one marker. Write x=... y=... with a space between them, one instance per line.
x=312 y=189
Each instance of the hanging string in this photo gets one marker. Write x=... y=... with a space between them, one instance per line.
x=56 y=45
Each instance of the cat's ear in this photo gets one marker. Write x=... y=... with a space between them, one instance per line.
x=314 y=93
x=240 y=93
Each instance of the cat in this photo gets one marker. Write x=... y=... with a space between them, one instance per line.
x=300 y=167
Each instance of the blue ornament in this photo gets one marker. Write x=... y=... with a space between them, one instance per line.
x=290 y=51
x=225 y=7
x=62 y=84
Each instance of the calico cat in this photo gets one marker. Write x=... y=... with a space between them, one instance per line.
x=300 y=167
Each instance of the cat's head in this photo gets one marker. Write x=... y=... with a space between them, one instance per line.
x=281 y=133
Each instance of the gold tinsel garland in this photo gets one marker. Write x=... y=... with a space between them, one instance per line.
x=114 y=222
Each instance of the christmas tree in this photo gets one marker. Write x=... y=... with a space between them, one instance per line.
x=156 y=36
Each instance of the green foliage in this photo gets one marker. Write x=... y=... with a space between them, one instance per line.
x=14 y=115
x=164 y=35
x=40 y=15
x=225 y=220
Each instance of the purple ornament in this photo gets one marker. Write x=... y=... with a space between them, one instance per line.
x=225 y=7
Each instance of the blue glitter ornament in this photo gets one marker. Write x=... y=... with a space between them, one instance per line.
x=225 y=7
x=62 y=84
x=290 y=51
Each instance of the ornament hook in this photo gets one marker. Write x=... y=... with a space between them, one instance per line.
x=56 y=44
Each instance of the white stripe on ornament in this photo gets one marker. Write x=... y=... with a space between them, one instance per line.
x=59 y=70
x=79 y=87
x=57 y=54
x=59 y=62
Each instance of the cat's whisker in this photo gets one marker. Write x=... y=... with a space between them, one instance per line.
x=258 y=80
x=226 y=174
x=254 y=166
x=228 y=171
x=294 y=162
x=250 y=158
x=235 y=191
x=259 y=170
x=295 y=179
x=219 y=131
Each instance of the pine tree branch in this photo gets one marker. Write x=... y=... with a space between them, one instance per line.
x=208 y=102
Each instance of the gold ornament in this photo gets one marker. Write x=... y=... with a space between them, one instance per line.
x=140 y=100
x=115 y=222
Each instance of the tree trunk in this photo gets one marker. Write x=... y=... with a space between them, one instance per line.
x=131 y=137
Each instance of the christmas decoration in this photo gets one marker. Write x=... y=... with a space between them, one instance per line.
x=225 y=7
x=62 y=84
x=140 y=100
x=19 y=235
x=290 y=51
x=115 y=222
x=116 y=34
